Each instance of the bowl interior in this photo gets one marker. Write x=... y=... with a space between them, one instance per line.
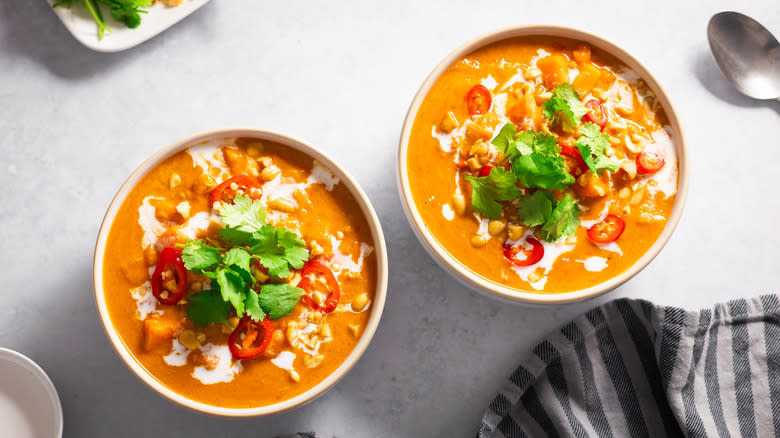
x=29 y=405
x=276 y=137
x=465 y=274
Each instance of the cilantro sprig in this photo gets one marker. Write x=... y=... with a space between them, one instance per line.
x=123 y=11
x=245 y=237
x=593 y=147
x=558 y=219
x=535 y=162
x=486 y=191
x=565 y=108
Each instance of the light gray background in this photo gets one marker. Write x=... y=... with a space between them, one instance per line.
x=340 y=74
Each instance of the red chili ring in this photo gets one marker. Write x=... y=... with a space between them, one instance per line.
x=334 y=295
x=244 y=348
x=532 y=255
x=169 y=258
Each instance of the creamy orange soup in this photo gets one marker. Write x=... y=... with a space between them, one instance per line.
x=171 y=208
x=613 y=206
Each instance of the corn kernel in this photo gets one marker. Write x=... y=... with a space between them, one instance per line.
x=254 y=149
x=448 y=123
x=515 y=232
x=189 y=340
x=270 y=172
x=282 y=204
x=360 y=302
x=174 y=181
x=459 y=204
x=495 y=227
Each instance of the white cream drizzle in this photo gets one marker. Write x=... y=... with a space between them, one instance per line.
x=147 y=219
x=518 y=77
x=205 y=156
x=447 y=212
x=445 y=139
x=178 y=355
x=483 y=226
x=196 y=224
x=345 y=262
x=221 y=367
x=284 y=360
x=552 y=250
x=499 y=107
x=489 y=82
x=145 y=302
x=322 y=175
x=594 y=264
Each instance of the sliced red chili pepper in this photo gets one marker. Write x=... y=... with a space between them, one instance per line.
x=485 y=171
x=253 y=343
x=316 y=267
x=649 y=162
x=225 y=192
x=532 y=255
x=607 y=230
x=478 y=100
x=169 y=261
x=576 y=161
x=597 y=113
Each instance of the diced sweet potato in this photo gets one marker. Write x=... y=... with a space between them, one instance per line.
x=165 y=211
x=158 y=331
x=240 y=163
x=582 y=53
x=555 y=70
x=592 y=186
x=587 y=79
x=135 y=271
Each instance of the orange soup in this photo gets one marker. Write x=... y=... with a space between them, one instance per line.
x=542 y=164
x=240 y=273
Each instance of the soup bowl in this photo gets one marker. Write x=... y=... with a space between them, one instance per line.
x=422 y=203
x=127 y=342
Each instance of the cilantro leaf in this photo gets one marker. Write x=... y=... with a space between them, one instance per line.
x=238 y=260
x=565 y=107
x=252 y=305
x=127 y=11
x=232 y=286
x=208 y=308
x=197 y=256
x=543 y=166
x=278 y=300
x=486 y=191
x=244 y=214
x=278 y=249
x=505 y=138
x=593 y=146
x=506 y=142
x=234 y=236
x=563 y=221
x=536 y=209
x=294 y=251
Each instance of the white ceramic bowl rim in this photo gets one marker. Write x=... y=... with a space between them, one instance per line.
x=461 y=271
x=377 y=305
x=19 y=359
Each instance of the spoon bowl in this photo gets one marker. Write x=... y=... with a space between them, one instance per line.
x=747 y=54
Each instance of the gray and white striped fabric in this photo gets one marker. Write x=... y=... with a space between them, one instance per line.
x=633 y=369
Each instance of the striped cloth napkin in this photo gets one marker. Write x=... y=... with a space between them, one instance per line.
x=633 y=369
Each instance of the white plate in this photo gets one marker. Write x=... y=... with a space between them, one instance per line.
x=29 y=405
x=119 y=37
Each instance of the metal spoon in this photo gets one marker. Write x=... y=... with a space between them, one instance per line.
x=747 y=54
